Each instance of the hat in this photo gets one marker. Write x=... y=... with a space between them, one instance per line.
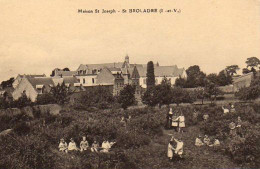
x=62 y=139
x=71 y=139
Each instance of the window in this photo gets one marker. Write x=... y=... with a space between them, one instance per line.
x=84 y=81
x=93 y=80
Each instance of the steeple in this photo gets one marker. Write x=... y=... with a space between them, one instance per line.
x=126 y=62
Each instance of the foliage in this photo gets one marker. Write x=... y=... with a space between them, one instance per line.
x=46 y=98
x=252 y=62
x=212 y=91
x=250 y=93
x=22 y=101
x=98 y=97
x=245 y=70
x=180 y=82
x=231 y=70
x=180 y=95
x=195 y=77
x=213 y=78
x=127 y=96
x=224 y=78
x=149 y=97
x=7 y=83
x=163 y=92
x=60 y=93
x=150 y=82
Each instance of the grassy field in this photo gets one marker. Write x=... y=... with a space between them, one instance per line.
x=142 y=144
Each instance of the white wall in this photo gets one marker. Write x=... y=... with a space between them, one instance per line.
x=158 y=80
x=87 y=80
x=24 y=85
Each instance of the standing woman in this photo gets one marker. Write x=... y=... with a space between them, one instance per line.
x=169 y=122
x=170 y=150
x=181 y=119
x=175 y=120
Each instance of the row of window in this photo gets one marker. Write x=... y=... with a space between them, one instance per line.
x=93 y=80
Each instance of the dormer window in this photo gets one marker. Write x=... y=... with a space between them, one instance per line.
x=39 y=88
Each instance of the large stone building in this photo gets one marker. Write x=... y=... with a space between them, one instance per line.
x=134 y=74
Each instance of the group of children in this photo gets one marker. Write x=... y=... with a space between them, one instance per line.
x=206 y=141
x=175 y=146
x=84 y=145
x=175 y=120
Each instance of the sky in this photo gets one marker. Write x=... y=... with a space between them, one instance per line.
x=38 y=36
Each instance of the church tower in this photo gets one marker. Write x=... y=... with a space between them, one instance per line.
x=126 y=63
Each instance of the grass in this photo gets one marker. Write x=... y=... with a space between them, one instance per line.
x=142 y=144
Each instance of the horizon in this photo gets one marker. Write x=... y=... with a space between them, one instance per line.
x=35 y=39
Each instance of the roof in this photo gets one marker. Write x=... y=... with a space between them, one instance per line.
x=66 y=80
x=102 y=65
x=43 y=75
x=114 y=69
x=162 y=71
x=41 y=81
x=70 y=80
x=65 y=73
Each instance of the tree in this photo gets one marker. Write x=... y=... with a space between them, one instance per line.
x=231 y=70
x=163 y=92
x=201 y=94
x=22 y=101
x=252 y=62
x=245 y=70
x=150 y=75
x=250 y=93
x=99 y=97
x=180 y=82
x=46 y=98
x=195 y=77
x=60 y=93
x=213 y=78
x=224 y=78
x=7 y=83
x=211 y=89
x=66 y=69
x=127 y=96
x=180 y=95
x=149 y=97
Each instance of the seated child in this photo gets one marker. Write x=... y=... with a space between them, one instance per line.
x=95 y=146
x=72 y=145
x=206 y=140
x=198 y=141
x=84 y=144
x=63 y=146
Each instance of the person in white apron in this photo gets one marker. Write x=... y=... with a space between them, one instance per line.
x=181 y=119
x=179 y=147
x=170 y=150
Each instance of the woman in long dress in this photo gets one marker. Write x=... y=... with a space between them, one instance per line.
x=179 y=147
x=181 y=119
x=170 y=150
x=175 y=121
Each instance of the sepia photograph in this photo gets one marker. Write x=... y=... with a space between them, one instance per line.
x=129 y=84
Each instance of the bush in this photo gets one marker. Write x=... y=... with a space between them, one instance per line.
x=45 y=99
x=24 y=152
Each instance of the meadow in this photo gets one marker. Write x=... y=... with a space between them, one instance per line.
x=142 y=143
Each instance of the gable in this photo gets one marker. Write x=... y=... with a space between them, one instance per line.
x=105 y=76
